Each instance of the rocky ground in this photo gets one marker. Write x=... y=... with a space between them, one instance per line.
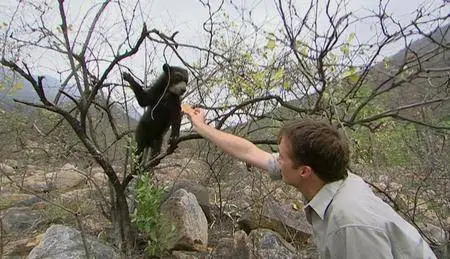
x=39 y=203
x=220 y=209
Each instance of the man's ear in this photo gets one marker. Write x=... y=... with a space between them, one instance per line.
x=306 y=171
x=166 y=68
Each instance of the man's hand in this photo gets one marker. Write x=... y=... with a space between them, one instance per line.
x=196 y=115
x=236 y=146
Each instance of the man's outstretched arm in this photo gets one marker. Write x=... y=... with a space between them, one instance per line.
x=237 y=147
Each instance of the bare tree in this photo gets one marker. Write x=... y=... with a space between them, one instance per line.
x=90 y=58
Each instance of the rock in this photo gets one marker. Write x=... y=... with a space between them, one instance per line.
x=21 y=248
x=383 y=178
x=237 y=247
x=224 y=249
x=37 y=182
x=27 y=202
x=16 y=200
x=67 y=177
x=17 y=220
x=261 y=243
x=96 y=170
x=395 y=186
x=188 y=255
x=11 y=162
x=170 y=171
x=6 y=169
x=437 y=234
x=268 y=244
x=32 y=144
x=77 y=195
x=65 y=242
x=282 y=218
x=201 y=194
x=30 y=168
x=381 y=185
x=100 y=178
x=394 y=189
x=183 y=210
x=441 y=250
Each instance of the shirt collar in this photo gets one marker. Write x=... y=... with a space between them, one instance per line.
x=323 y=198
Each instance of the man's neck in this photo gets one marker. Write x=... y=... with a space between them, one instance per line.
x=311 y=188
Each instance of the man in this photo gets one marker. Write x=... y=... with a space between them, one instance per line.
x=348 y=220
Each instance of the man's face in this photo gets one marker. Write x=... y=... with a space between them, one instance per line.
x=289 y=172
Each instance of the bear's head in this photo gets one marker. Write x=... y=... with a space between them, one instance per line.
x=177 y=79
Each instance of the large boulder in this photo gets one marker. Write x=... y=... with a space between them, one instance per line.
x=65 y=178
x=17 y=200
x=65 y=242
x=268 y=244
x=18 y=220
x=6 y=169
x=237 y=247
x=201 y=194
x=21 y=248
x=191 y=227
x=85 y=194
x=290 y=223
x=261 y=243
x=37 y=182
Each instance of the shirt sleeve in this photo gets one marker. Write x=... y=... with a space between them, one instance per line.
x=355 y=242
x=274 y=167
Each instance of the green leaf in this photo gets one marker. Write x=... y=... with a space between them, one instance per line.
x=271 y=44
x=349 y=72
x=302 y=48
x=345 y=49
x=387 y=63
x=259 y=78
x=287 y=86
x=279 y=74
x=352 y=75
x=351 y=37
x=248 y=56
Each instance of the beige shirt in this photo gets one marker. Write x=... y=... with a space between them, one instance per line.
x=350 y=221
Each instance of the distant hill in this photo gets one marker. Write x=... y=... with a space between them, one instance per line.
x=432 y=83
x=435 y=57
x=24 y=91
x=440 y=35
x=408 y=92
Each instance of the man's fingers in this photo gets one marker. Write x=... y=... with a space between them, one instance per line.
x=191 y=112
x=186 y=108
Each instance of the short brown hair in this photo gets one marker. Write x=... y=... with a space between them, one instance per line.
x=318 y=145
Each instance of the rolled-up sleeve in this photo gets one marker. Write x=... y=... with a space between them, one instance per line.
x=274 y=167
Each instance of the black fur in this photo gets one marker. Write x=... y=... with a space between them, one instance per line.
x=163 y=100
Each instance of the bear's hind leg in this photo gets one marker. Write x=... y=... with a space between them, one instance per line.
x=156 y=147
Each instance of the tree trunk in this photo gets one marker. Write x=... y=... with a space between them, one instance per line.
x=121 y=221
